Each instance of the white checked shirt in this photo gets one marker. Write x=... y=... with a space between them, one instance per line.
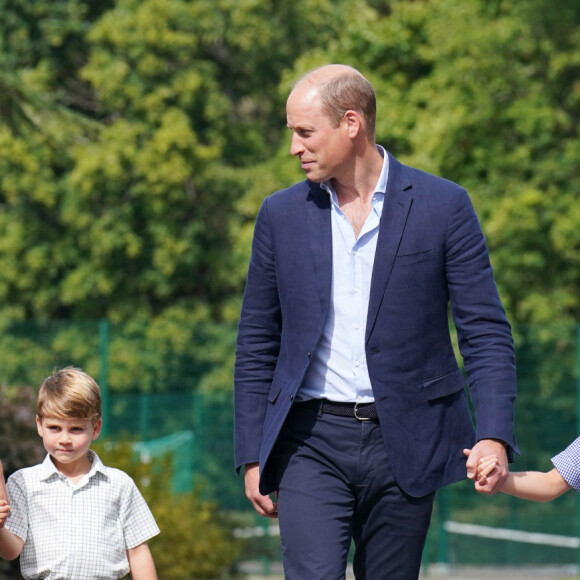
x=77 y=532
x=567 y=463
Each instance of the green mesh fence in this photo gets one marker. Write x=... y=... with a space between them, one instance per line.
x=175 y=397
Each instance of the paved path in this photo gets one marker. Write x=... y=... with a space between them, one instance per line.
x=254 y=571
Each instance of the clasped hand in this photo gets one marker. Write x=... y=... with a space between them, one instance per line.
x=487 y=465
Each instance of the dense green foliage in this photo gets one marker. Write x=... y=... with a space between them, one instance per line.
x=139 y=137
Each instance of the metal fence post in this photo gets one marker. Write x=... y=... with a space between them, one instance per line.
x=144 y=415
x=104 y=373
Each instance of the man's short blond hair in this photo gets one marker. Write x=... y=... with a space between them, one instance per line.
x=69 y=393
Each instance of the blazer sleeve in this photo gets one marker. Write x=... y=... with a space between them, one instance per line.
x=258 y=343
x=484 y=333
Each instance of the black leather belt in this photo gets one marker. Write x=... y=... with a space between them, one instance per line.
x=360 y=411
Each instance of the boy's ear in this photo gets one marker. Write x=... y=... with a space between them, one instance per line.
x=38 y=425
x=97 y=429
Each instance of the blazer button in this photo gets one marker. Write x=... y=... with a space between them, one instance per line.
x=309 y=355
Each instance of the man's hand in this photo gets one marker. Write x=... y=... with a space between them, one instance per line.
x=490 y=479
x=262 y=503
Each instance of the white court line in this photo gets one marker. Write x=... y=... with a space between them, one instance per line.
x=453 y=528
x=514 y=535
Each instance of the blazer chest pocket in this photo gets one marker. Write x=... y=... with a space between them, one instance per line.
x=413 y=258
x=443 y=386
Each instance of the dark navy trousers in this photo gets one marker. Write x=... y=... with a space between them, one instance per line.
x=335 y=484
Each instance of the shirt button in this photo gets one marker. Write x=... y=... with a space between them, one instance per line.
x=355 y=290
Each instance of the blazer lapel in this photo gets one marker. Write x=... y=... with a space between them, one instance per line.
x=320 y=239
x=396 y=208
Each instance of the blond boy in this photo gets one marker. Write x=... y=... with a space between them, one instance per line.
x=71 y=516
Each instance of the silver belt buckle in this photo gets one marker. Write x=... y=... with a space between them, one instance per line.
x=356 y=413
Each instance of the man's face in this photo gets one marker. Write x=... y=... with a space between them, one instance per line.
x=323 y=150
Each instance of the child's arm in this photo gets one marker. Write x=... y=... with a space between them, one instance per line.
x=536 y=485
x=141 y=563
x=10 y=544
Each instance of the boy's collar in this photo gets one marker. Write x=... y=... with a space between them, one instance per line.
x=48 y=469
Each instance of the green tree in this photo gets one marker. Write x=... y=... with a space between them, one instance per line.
x=120 y=202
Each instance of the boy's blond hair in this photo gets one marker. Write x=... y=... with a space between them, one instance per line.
x=69 y=393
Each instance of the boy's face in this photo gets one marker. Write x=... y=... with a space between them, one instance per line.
x=67 y=440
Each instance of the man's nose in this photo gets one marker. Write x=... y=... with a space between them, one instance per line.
x=296 y=146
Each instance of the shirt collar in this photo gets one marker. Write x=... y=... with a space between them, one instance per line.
x=48 y=468
x=380 y=187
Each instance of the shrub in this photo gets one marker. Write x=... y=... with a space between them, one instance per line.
x=195 y=541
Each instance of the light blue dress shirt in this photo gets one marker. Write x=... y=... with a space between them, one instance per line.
x=338 y=370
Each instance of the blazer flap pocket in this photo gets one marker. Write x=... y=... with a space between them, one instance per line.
x=407 y=259
x=443 y=385
x=275 y=389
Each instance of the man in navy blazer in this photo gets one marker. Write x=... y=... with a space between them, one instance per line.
x=350 y=407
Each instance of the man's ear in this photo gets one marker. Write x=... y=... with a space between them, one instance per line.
x=352 y=121
x=97 y=429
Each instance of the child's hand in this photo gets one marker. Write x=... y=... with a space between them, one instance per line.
x=485 y=466
x=4 y=512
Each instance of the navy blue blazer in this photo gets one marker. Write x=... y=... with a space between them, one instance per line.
x=430 y=252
